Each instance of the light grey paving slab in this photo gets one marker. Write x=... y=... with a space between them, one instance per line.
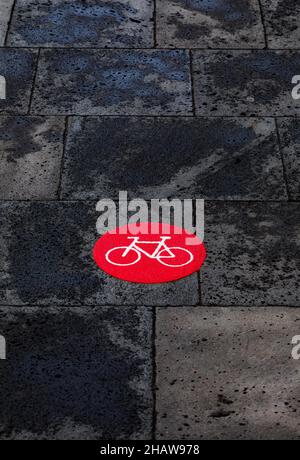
x=113 y=82
x=227 y=374
x=252 y=254
x=76 y=373
x=79 y=23
x=167 y=157
x=30 y=157
x=289 y=129
x=245 y=83
x=46 y=259
x=17 y=66
x=5 y=9
x=282 y=23
x=209 y=24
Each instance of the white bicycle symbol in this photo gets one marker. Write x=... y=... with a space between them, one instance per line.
x=132 y=254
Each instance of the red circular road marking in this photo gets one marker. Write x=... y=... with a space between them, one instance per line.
x=147 y=257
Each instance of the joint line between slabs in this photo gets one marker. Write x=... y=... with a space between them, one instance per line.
x=65 y=139
x=285 y=177
x=9 y=23
x=192 y=84
x=34 y=81
x=263 y=23
x=154 y=24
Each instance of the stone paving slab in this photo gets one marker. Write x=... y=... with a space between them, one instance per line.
x=5 y=8
x=245 y=83
x=289 y=130
x=252 y=254
x=46 y=259
x=173 y=157
x=76 y=373
x=113 y=82
x=30 y=157
x=227 y=373
x=79 y=23
x=281 y=19
x=17 y=66
x=209 y=24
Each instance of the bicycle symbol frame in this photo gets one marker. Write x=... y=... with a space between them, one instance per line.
x=157 y=254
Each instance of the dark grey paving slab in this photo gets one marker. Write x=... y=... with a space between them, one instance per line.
x=46 y=259
x=209 y=24
x=78 y=23
x=173 y=157
x=76 y=373
x=113 y=82
x=30 y=157
x=227 y=374
x=289 y=130
x=282 y=23
x=17 y=66
x=5 y=8
x=252 y=254
x=245 y=83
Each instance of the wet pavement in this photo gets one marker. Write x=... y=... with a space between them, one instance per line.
x=147 y=82
x=164 y=99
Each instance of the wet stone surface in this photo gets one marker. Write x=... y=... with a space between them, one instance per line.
x=80 y=344
x=282 y=23
x=17 y=66
x=46 y=259
x=76 y=373
x=246 y=83
x=172 y=157
x=113 y=82
x=227 y=373
x=209 y=24
x=252 y=254
x=78 y=23
x=289 y=130
x=30 y=157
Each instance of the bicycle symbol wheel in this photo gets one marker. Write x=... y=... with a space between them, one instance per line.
x=115 y=255
x=178 y=256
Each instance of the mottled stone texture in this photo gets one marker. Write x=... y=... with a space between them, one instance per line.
x=79 y=373
x=5 y=9
x=17 y=66
x=167 y=157
x=78 y=23
x=209 y=24
x=289 y=130
x=164 y=99
x=46 y=259
x=252 y=254
x=282 y=23
x=113 y=83
x=246 y=83
x=30 y=157
x=227 y=374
